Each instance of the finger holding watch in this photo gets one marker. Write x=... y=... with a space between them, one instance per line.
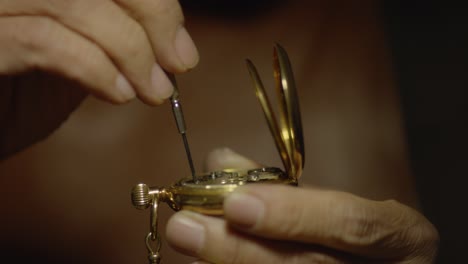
x=284 y=224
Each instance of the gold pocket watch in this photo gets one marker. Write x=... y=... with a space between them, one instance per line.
x=205 y=193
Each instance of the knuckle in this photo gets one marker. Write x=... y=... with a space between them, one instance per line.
x=292 y=222
x=131 y=48
x=153 y=9
x=421 y=232
x=34 y=34
x=169 y=8
x=360 y=226
x=296 y=221
x=88 y=63
x=135 y=44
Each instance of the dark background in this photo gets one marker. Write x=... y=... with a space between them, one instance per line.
x=429 y=42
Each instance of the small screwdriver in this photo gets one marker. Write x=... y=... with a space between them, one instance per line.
x=179 y=117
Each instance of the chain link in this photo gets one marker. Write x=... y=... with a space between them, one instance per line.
x=154 y=247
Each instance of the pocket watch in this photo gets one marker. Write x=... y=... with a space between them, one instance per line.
x=205 y=192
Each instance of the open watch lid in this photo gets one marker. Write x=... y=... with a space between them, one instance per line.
x=287 y=131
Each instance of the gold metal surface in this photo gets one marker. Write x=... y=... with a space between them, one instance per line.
x=292 y=115
x=270 y=117
x=208 y=193
x=288 y=135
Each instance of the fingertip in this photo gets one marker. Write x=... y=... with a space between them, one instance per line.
x=160 y=82
x=160 y=87
x=121 y=93
x=124 y=88
x=185 y=48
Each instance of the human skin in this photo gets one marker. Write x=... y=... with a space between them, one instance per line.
x=284 y=224
x=115 y=50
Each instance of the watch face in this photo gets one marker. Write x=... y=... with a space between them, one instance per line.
x=207 y=193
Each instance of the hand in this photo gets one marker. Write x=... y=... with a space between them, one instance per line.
x=282 y=224
x=116 y=49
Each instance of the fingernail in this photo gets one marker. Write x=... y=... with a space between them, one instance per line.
x=162 y=86
x=185 y=48
x=186 y=233
x=243 y=210
x=124 y=87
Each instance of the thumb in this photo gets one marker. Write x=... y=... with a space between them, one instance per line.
x=334 y=219
x=223 y=158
